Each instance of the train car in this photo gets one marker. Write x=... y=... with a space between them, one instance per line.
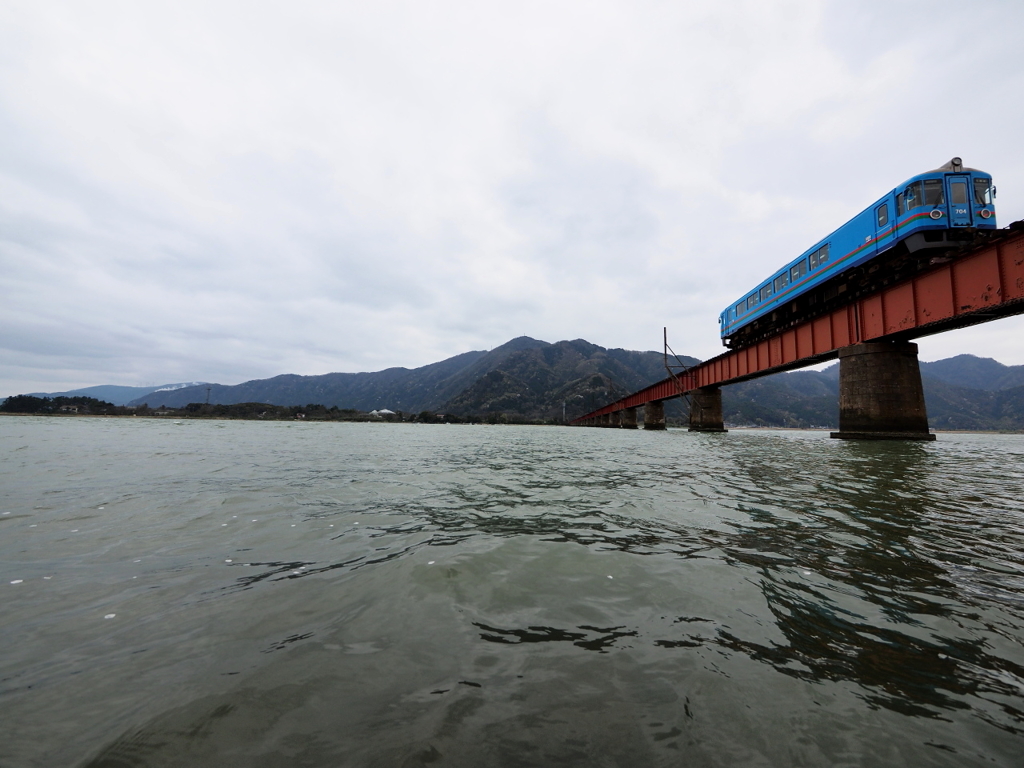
x=935 y=210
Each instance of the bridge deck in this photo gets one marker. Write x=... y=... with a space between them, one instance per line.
x=981 y=285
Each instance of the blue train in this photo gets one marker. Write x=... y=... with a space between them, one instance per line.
x=940 y=209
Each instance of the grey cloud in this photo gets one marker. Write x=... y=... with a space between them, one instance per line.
x=198 y=196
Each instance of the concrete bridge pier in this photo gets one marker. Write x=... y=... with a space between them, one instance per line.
x=654 y=415
x=880 y=393
x=615 y=419
x=706 y=410
x=628 y=418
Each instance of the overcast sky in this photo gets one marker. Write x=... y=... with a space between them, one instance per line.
x=226 y=191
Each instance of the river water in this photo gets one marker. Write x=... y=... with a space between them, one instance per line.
x=214 y=593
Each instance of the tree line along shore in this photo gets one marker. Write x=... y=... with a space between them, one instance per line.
x=30 y=405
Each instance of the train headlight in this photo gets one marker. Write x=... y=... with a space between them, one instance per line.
x=986 y=213
x=936 y=214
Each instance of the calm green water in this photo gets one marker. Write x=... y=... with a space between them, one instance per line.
x=250 y=594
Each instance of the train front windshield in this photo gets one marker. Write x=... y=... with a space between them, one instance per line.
x=927 y=192
x=983 y=192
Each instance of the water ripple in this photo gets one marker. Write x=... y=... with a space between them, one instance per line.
x=319 y=585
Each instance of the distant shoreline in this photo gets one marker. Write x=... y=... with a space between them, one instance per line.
x=176 y=417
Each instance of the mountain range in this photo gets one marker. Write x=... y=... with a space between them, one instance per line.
x=525 y=378
x=530 y=379
x=115 y=394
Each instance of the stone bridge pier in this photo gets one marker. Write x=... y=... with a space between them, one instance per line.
x=654 y=415
x=706 y=410
x=628 y=418
x=880 y=393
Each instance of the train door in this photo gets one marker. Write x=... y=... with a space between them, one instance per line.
x=883 y=226
x=959 y=200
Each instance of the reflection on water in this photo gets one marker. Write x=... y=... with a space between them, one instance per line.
x=874 y=555
x=389 y=595
x=591 y=638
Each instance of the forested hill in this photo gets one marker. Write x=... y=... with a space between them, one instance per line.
x=975 y=373
x=524 y=377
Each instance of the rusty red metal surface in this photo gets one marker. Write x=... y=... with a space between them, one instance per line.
x=982 y=285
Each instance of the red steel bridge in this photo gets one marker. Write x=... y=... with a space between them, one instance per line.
x=877 y=311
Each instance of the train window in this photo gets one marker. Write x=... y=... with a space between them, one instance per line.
x=983 y=191
x=740 y=307
x=798 y=271
x=781 y=281
x=752 y=301
x=899 y=204
x=766 y=291
x=819 y=257
x=883 y=214
x=915 y=196
x=958 y=192
x=933 y=194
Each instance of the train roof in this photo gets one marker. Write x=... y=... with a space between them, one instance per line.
x=956 y=165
